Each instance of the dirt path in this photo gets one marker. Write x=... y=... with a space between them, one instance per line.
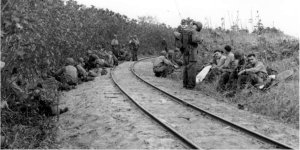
x=255 y=122
x=100 y=117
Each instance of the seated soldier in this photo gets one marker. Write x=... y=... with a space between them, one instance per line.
x=91 y=62
x=255 y=75
x=125 y=54
x=231 y=81
x=101 y=52
x=112 y=60
x=162 y=66
x=122 y=49
x=68 y=74
x=227 y=68
x=18 y=85
x=82 y=73
x=45 y=93
x=24 y=97
x=178 y=58
x=170 y=56
x=216 y=63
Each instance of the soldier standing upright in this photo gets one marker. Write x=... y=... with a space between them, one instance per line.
x=134 y=45
x=164 y=45
x=115 y=45
x=186 y=39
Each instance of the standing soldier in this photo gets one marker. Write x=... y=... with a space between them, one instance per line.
x=115 y=46
x=136 y=48
x=187 y=39
x=134 y=45
x=164 y=45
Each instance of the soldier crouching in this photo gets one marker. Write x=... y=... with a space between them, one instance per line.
x=162 y=66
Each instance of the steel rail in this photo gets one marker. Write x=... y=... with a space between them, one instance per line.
x=212 y=115
x=185 y=140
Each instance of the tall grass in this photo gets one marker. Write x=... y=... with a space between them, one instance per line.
x=281 y=102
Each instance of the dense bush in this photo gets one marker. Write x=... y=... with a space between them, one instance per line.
x=34 y=32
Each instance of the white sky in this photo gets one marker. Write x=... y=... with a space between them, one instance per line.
x=284 y=14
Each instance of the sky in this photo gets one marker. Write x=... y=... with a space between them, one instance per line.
x=282 y=14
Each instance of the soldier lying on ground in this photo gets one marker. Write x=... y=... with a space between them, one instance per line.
x=30 y=100
x=68 y=74
x=216 y=63
x=162 y=66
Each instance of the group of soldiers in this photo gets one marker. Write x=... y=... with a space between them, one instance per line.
x=122 y=52
x=70 y=75
x=187 y=38
x=233 y=69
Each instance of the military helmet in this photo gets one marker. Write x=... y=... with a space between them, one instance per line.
x=70 y=61
x=89 y=52
x=81 y=59
x=94 y=56
x=171 y=52
x=199 y=25
x=164 y=53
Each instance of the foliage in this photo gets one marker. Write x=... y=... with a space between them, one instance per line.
x=34 y=33
x=273 y=48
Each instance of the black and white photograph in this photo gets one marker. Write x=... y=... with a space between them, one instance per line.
x=149 y=74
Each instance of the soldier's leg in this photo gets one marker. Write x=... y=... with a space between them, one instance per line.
x=169 y=69
x=191 y=74
x=211 y=75
x=232 y=81
x=242 y=81
x=256 y=79
x=135 y=55
x=223 y=81
x=185 y=74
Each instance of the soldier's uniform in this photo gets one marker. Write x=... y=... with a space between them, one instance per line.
x=68 y=74
x=162 y=66
x=134 y=45
x=115 y=46
x=187 y=43
x=178 y=57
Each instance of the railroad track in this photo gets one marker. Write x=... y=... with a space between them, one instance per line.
x=196 y=128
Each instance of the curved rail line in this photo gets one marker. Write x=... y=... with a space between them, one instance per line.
x=185 y=140
x=210 y=114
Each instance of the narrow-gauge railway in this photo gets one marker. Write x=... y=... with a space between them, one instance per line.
x=197 y=128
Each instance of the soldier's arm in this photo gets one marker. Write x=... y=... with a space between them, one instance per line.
x=166 y=61
x=256 y=68
x=60 y=71
x=227 y=61
x=16 y=87
x=221 y=62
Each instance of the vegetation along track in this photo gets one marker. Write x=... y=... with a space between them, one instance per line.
x=195 y=127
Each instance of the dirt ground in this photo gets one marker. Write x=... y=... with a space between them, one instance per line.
x=100 y=117
x=255 y=122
